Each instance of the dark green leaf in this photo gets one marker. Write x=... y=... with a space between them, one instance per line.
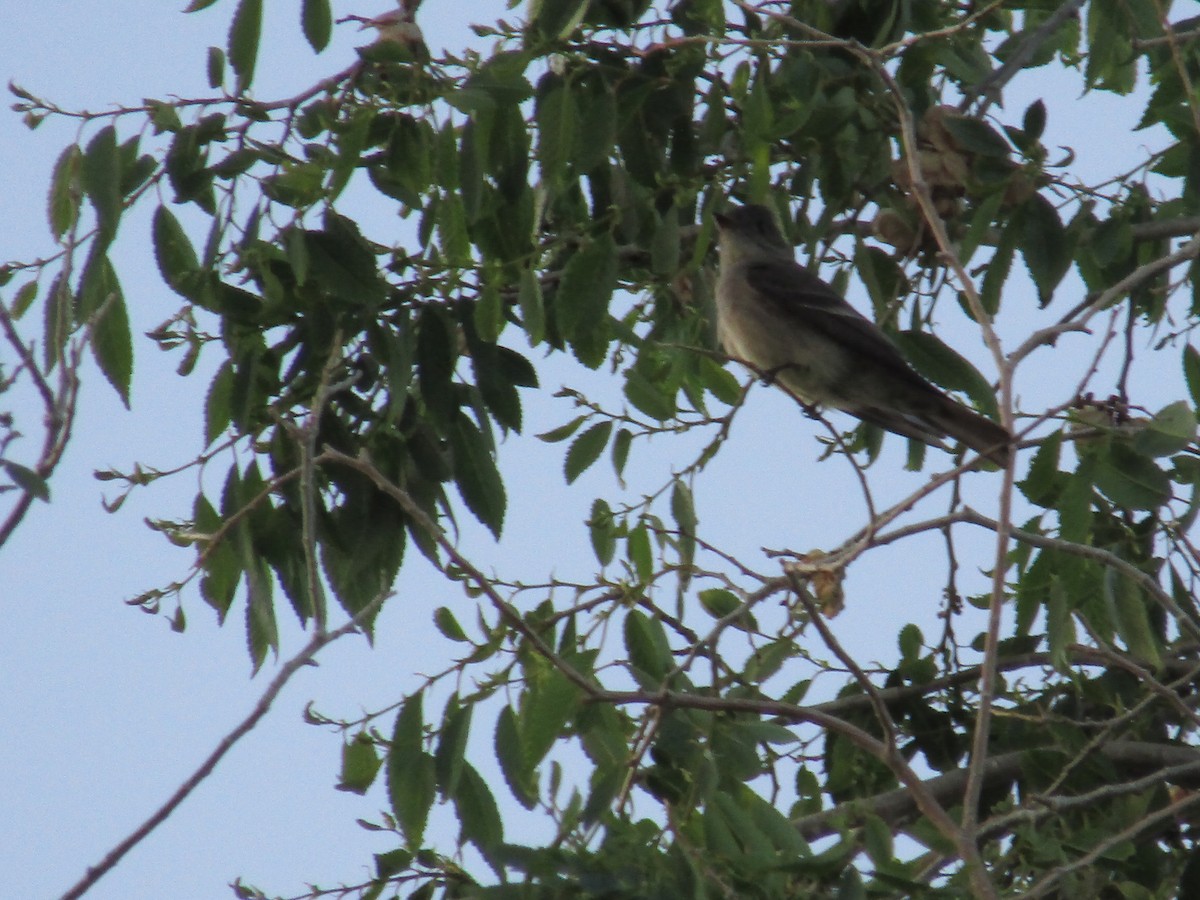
x=1132 y=621
x=476 y=474
x=216 y=67
x=977 y=136
x=562 y=432
x=510 y=753
x=410 y=772
x=587 y=284
x=317 y=21
x=1044 y=245
x=557 y=129
x=640 y=552
x=649 y=396
x=218 y=405
x=244 y=34
x=452 y=746
x=478 y=815
x=1034 y=122
x=22 y=300
x=550 y=703
x=942 y=365
x=620 y=451
x=173 y=252
x=533 y=315
x=603 y=532
x=101 y=172
x=1191 y=373
x=57 y=325
x=585 y=450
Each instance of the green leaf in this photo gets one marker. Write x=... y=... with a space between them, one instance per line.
x=550 y=703
x=620 y=451
x=719 y=603
x=555 y=20
x=1034 y=122
x=1132 y=620
x=410 y=772
x=57 y=324
x=262 y=633
x=1044 y=244
x=478 y=815
x=557 y=128
x=316 y=19
x=603 y=532
x=649 y=396
x=562 y=432
x=360 y=764
x=910 y=641
x=448 y=625
x=585 y=450
x=218 y=404
x=101 y=172
x=1130 y=480
x=173 y=252
x=62 y=207
x=637 y=545
x=510 y=753
x=476 y=475
x=587 y=284
x=244 y=34
x=27 y=480
x=942 y=365
x=452 y=746
x=649 y=652
x=1172 y=428
x=1060 y=629
x=111 y=341
x=1191 y=373
x=533 y=313
x=24 y=297
x=977 y=136
x=216 y=67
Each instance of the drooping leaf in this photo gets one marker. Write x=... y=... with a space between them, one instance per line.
x=62 y=207
x=244 y=34
x=476 y=474
x=317 y=21
x=586 y=449
x=410 y=772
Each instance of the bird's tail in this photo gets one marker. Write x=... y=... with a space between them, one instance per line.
x=986 y=437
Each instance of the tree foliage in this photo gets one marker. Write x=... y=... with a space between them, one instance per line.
x=560 y=179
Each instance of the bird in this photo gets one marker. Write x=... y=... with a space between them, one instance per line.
x=797 y=331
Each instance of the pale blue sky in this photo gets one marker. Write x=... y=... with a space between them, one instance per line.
x=106 y=710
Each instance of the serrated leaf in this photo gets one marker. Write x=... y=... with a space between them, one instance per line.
x=557 y=129
x=550 y=703
x=216 y=67
x=316 y=19
x=244 y=34
x=620 y=452
x=533 y=313
x=1132 y=620
x=23 y=299
x=111 y=341
x=587 y=284
x=452 y=746
x=510 y=753
x=603 y=532
x=177 y=262
x=476 y=475
x=478 y=814
x=62 y=206
x=444 y=619
x=1044 y=245
x=101 y=176
x=944 y=366
x=262 y=634
x=910 y=641
x=410 y=772
x=649 y=397
x=585 y=450
x=1191 y=373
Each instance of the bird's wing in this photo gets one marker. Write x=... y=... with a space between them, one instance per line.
x=796 y=294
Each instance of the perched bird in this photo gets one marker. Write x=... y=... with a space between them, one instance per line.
x=794 y=328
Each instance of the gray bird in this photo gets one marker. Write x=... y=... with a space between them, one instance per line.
x=797 y=330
